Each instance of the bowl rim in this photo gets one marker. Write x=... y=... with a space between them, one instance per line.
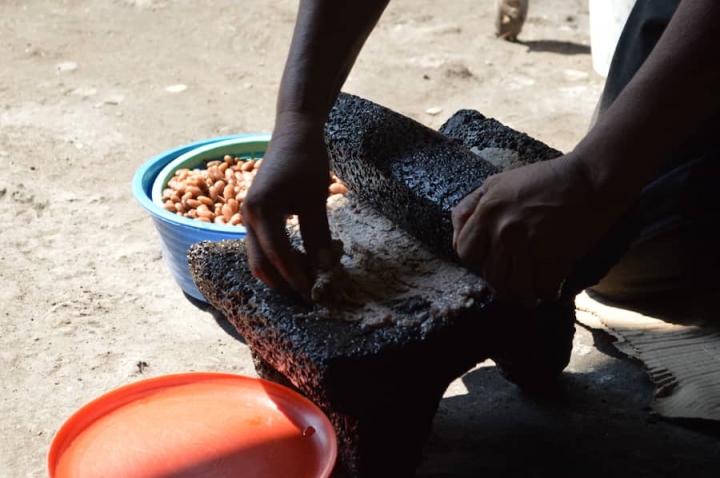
x=116 y=398
x=194 y=158
x=144 y=195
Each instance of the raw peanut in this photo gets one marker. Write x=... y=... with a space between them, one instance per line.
x=241 y=195
x=227 y=212
x=337 y=188
x=213 y=164
x=167 y=193
x=186 y=196
x=214 y=174
x=236 y=219
x=180 y=208
x=219 y=220
x=234 y=205
x=206 y=201
x=247 y=177
x=238 y=175
x=203 y=219
x=248 y=165
x=258 y=163
x=182 y=174
x=193 y=203
x=219 y=184
x=170 y=206
x=213 y=191
x=194 y=191
x=229 y=191
x=192 y=213
x=229 y=174
x=228 y=159
x=223 y=167
x=205 y=213
x=175 y=197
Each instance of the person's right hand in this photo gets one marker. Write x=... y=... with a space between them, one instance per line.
x=294 y=179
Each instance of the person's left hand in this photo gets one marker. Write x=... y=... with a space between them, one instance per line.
x=524 y=229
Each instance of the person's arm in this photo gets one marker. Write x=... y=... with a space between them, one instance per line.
x=675 y=90
x=294 y=178
x=525 y=229
x=327 y=40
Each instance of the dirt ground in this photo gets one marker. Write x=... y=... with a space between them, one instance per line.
x=85 y=296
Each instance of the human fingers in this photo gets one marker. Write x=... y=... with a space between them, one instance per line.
x=273 y=244
x=261 y=267
x=496 y=270
x=462 y=212
x=549 y=279
x=472 y=241
x=316 y=236
x=521 y=280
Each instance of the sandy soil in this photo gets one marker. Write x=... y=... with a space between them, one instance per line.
x=84 y=293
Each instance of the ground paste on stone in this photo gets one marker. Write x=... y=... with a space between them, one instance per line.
x=383 y=276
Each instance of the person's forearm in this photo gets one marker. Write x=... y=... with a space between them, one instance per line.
x=676 y=89
x=327 y=40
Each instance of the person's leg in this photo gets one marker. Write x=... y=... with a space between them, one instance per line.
x=677 y=250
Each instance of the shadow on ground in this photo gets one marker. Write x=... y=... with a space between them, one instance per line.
x=555 y=46
x=219 y=317
x=597 y=423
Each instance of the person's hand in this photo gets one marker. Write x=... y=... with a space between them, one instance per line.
x=294 y=179
x=524 y=229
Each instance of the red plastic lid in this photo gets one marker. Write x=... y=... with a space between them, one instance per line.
x=196 y=425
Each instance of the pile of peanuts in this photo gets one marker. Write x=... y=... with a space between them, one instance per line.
x=215 y=194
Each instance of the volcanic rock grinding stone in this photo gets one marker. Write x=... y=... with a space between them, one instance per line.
x=381 y=386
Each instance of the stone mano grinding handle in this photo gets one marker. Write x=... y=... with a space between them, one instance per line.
x=411 y=174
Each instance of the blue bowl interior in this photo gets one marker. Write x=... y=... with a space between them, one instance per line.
x=178 y=233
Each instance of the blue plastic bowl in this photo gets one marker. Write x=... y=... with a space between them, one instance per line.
x=178 y=233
